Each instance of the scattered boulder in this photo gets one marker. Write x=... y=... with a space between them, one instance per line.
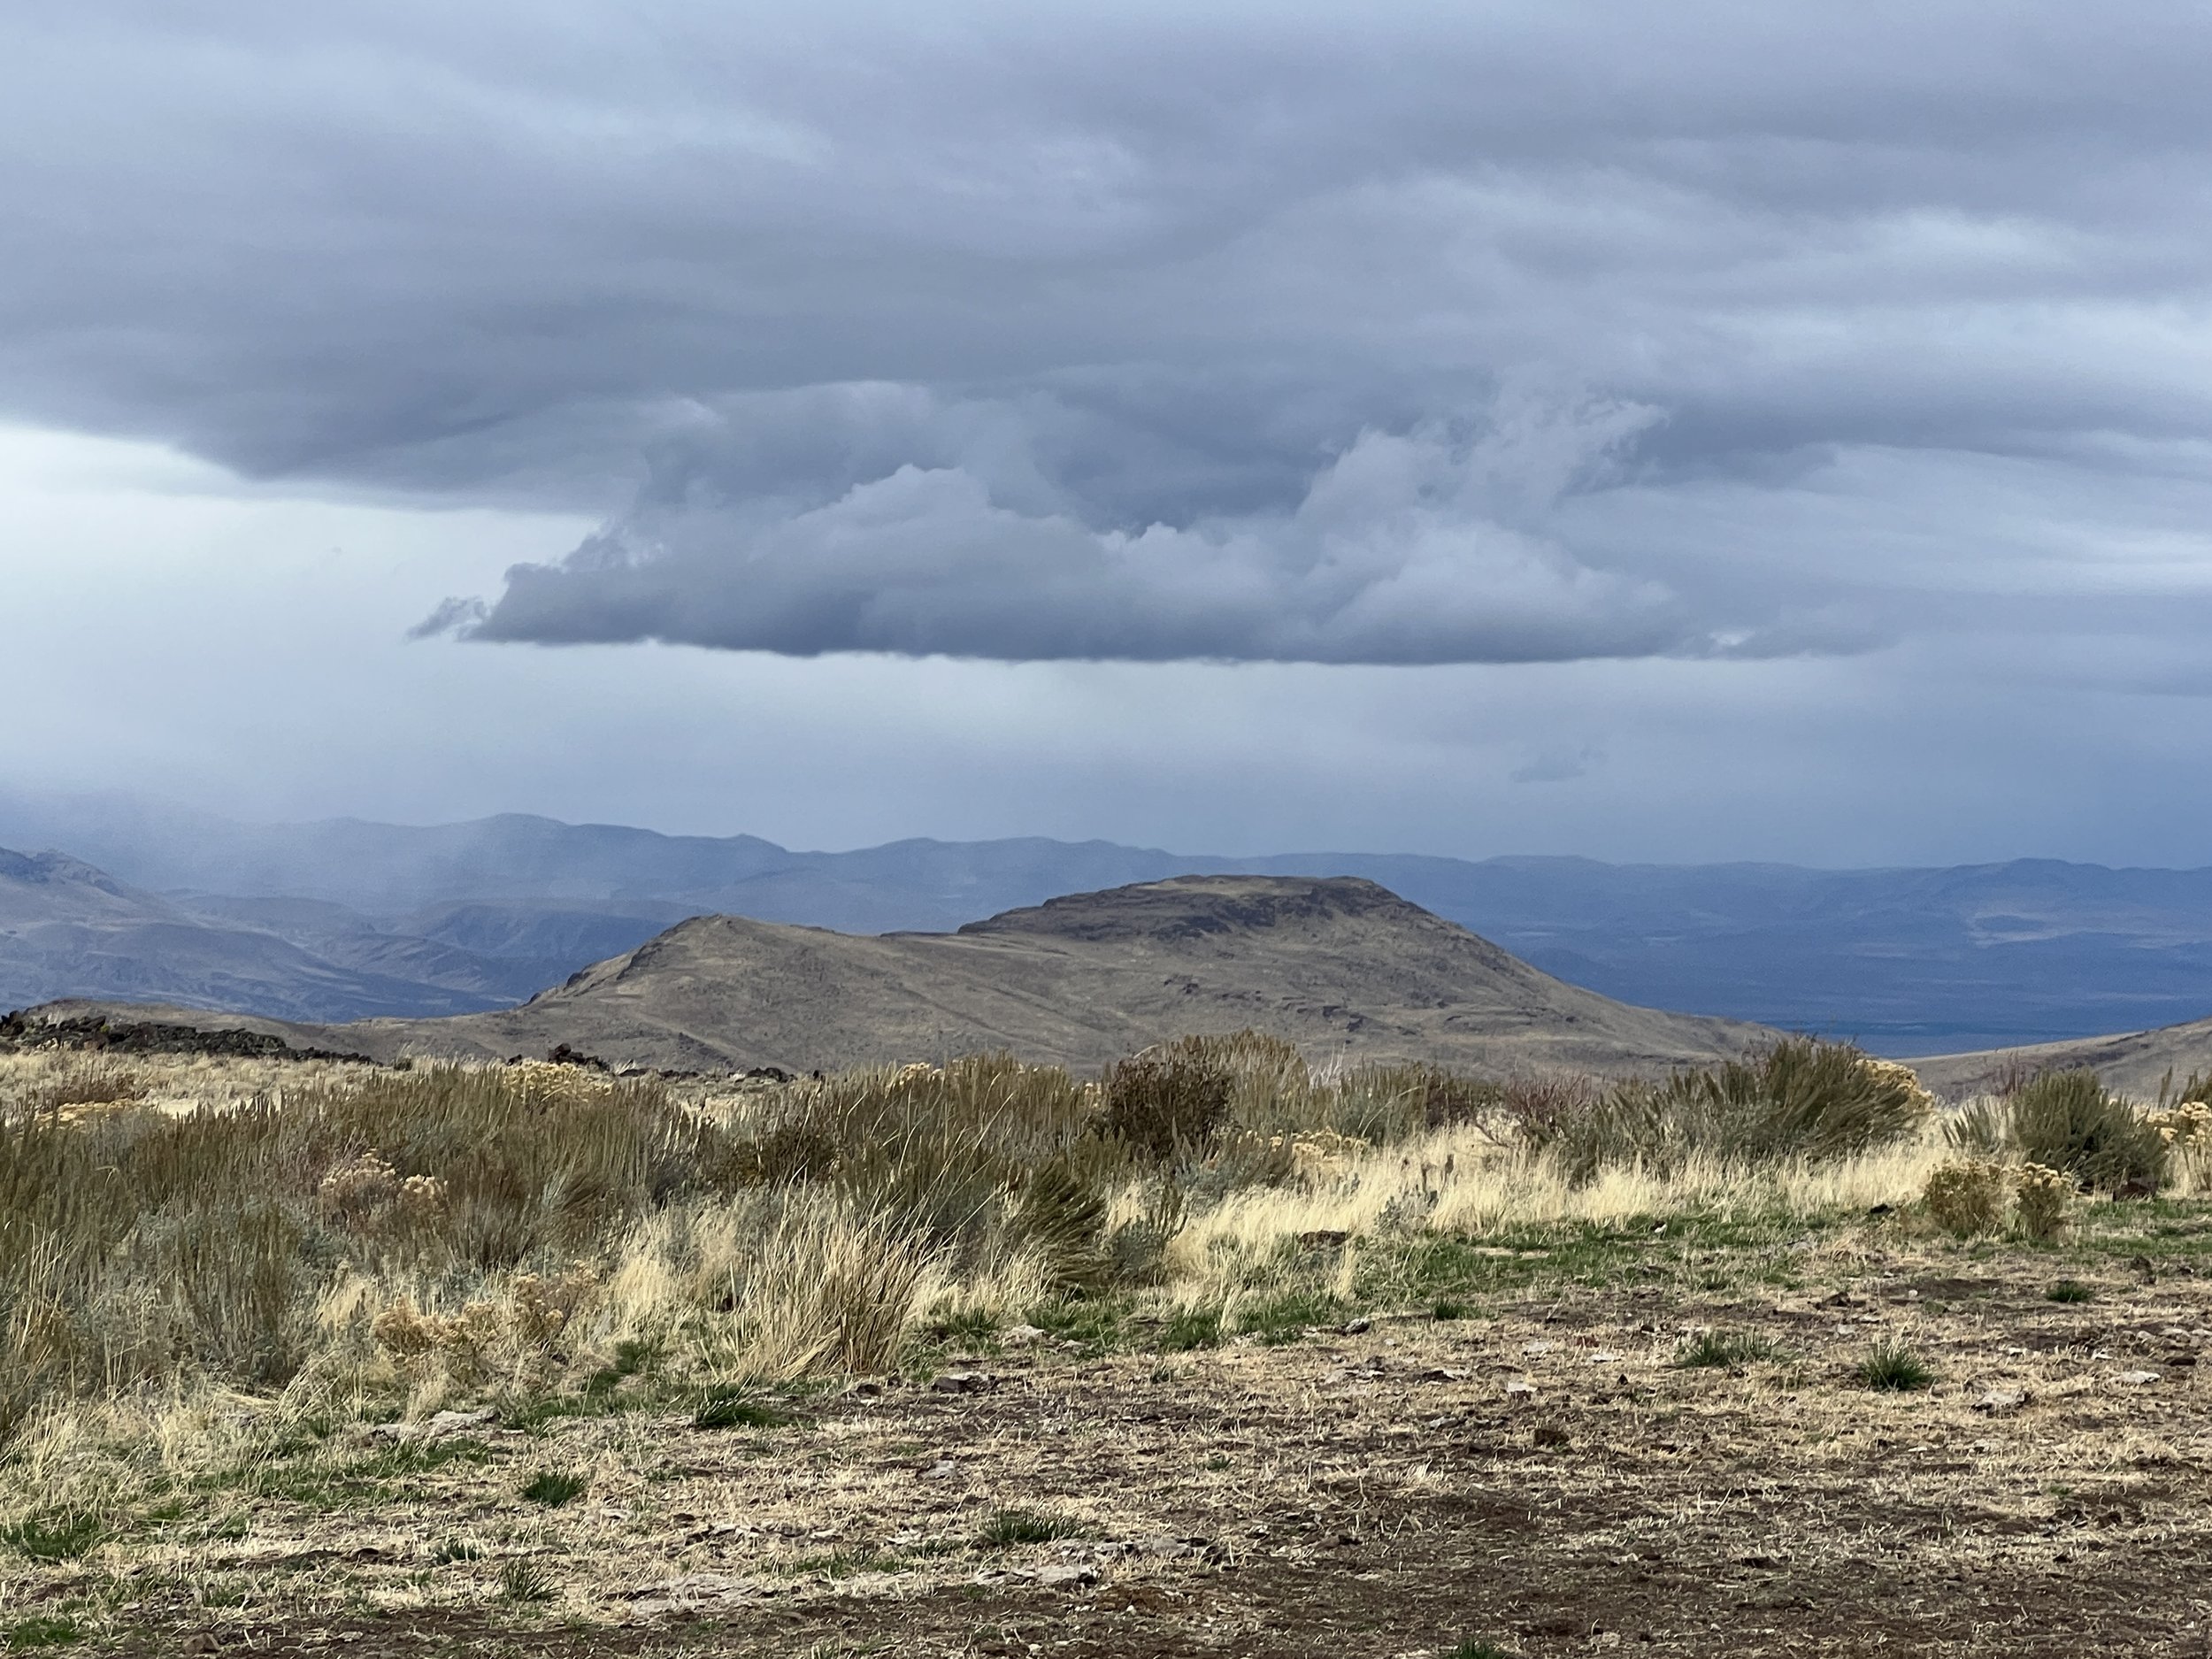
x=962 y=1382
x=1167 y=1545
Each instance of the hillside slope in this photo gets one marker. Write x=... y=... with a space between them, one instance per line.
x=1909 y=961
x=2132 y=1061
x=1340 y=966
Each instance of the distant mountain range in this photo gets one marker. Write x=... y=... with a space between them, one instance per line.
x=1341 y=967
x=342 y=919
x=68 y=929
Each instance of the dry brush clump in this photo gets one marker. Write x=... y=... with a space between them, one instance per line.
x=1967 y=1198
x=137 y=1246
x=1799 y=1099
x=2068 y=1121
x=1972 y=1197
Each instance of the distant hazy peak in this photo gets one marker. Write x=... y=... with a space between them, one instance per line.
x=53 y=869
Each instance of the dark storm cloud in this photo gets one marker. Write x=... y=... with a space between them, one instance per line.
x=1404 y=549
x=1414 y=334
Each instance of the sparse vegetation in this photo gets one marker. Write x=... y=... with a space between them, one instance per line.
x=2071 y=1290
x=874 y=1290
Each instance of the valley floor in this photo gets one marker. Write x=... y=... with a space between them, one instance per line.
x=1538 y=1471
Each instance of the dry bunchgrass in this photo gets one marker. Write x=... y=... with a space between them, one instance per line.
x=501 y=1229
x=216 y=1296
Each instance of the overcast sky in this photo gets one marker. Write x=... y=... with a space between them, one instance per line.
x=1733 y=431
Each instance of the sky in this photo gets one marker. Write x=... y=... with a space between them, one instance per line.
x=1748 y=431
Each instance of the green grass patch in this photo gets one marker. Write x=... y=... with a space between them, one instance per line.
x=2069 y=1290
x=847 y=1564
x=1710 y=1252
x=527 y=1582
x=1191 y=1328
x=537 y=1410
x=1097 y=1325
x=1287 y=1319
x=975 y=1326
x=372 y=1479
x=740 y=1408
x=46 y=1630
x=632 y=1357
x=552 y=1487
x=1893 y=1368
x=62 y=1536
x=1006 y=1528
x=1724 y=1350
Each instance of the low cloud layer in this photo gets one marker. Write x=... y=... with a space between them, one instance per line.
x=1424 y=547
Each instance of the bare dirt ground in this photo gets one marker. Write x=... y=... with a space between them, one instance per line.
x=1541 y=1475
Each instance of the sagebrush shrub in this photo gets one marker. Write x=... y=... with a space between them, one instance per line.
x=2046 y=1201
x=2066 y=1121
x=1166 y=1100
x=1966 y=1199
x=1797 y=1099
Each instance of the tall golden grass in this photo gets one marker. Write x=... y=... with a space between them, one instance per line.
x=397 y=1241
